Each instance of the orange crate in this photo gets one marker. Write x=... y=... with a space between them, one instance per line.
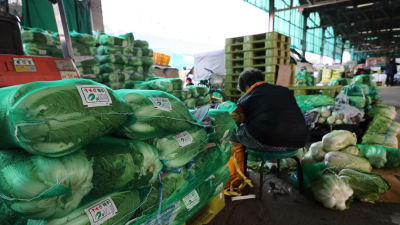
x=157 y=58
x=238 y=149
x=165 y=60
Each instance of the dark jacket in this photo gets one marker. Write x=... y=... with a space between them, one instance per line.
x=391 y=68
x=273 y=117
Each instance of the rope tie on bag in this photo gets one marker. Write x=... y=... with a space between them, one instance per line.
x=237 y=191
x=160 y=186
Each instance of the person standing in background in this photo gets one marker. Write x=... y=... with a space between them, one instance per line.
x=189 y=81
x=391 y=70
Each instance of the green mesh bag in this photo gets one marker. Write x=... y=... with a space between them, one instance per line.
x=150 y=70
x=303 y=74
x=197 y=91
x=372 y=138
x=177 y=83
x=115 y=77
x=84 y=39
x=136 y=51
x=83 y=50
x=38 y=49
x=311 y=173
x=363 y=79
x=380 y=156
x=133 y=69
x=357 y=101
x=158 y=114
x=88 y=70
x=162 y=85
x=118 y=59
x=356 y=89
x=135 y=61
x=305 y=102
x=93 y=77
x=124 y=202
x=9 y=217
x=130 y=39
x=37 y=37
x=301 y=81
x=147 y=52
x=49 y=117
x=153 y=78
x=375 y=97
x=185 y=94
x=177 y=149
x=111 y=68
x=89 y=62
x=385 y=110
x=136 y=76
x=130 y=84
x=384 y=125
x=109 y=50
x=177 y=94
x=341 y=81
x=223 y=125
x=227 y=106
x=201 y=101
x=141 y=44
x=143 y=86
x=190 y=103
x=147 y=63
x=186 y=200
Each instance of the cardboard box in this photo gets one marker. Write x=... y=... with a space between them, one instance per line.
x=165 y=71
x=284 y=75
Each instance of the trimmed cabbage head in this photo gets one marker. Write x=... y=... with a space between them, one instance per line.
x=39 y=187
x=341 y=160
x=372 y=138
x=332 y=191
x=350 y=149
x=337 y=140
x=317 y=151
x=367 y=186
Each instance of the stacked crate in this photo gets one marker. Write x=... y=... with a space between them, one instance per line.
x=261 y=51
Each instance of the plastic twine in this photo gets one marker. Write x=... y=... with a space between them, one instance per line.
x=160 y=186
x=189 y=165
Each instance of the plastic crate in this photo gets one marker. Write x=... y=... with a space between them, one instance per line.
x=209 y=211
x=234 y=56
x=258 y=45
x=267 y=53
x=267 y=36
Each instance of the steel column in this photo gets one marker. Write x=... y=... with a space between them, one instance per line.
x=334 y=46
x=271 y=15
x=321 y=59
x=63 y=30
x=304 y=42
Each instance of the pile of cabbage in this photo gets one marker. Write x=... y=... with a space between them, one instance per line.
x=62 y=155
x=329 y=117
x=344 y=169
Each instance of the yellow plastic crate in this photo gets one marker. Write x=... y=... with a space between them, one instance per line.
x=267 y=36
x=209 y=211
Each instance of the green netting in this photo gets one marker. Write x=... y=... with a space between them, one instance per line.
x=190 y=103
x=150 y=70
x=201 y=101
x=153 y=78
x=109 y=50
x=197 y=91
x=93 y=77
x=85 y=39
x=301 y=81
x=88 y=70
x=133 y=69
x=106 y=39
x=382 y=109
x=39 y=49
x=305 y=102
x=177 y=83
x=158 y=114
x=357 y=101
x=227 y=106
x=147 y=62
x=380 y=156
x=37 y=37
x=115 y=77
x=372 y=138
x=135 y=61
x=89 y=62
x=162 y=85
x=185 y=94
x=130 y=39
x=375 y=97
x=341 y=81
x=311 y=173
x=364 y=79
x=136 y=51
x=223 y=125
x=111 y=67
x=177 y=94
x=177 y=149
x=356 y=89
x=147 y=52
x=49 y=117
x=135 y=77
x=9 y=217
x=384 y=125
x=141 y=44
x=130 y=84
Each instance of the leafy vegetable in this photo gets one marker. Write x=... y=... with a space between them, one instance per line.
x=305 y=102
x=147 y=52
x=134 y=61
x=141 y=44
x=331 y=120
x=111 y=68
x=356 y=89
x=177 y=94
x=161 y=85
x=177 y=83
x=367 y=186
x=350 y=149
x=372 y=138
x=190 y=103
x=37 y=37
x=38 y=49
x=89 y=62
x=133 y=69
x=223 y=125
x=202 y=100
x=198 y=90
x=130 y=39
x=332 y=191
x=384 y=125
x=317 y=151
x=342 y=160
x=380 y=156
x=338 y=139
x=39 y=187
x=126 y=203
x=49 y=118
x=176 y=150
x=93 y=77
x=109 y=50
x=388 y=111
x=364 y=79
x=357 y=101
x=88 y=70
x=155 y=120
x=325 y=112
x=136 y=51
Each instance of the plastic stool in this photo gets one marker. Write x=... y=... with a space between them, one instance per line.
x=264 y=156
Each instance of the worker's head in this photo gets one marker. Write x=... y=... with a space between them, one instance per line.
x=188 y=80
x=249 y=77
x=393 y=60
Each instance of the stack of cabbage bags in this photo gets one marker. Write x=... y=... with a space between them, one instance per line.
x=306 y=102
x=338 y=170
x=60 y=167
x=88 y=68
x=362 y=92
x=120 y=63
x=304 y=78
x=38 y=42
x=341 y=81
x=146 y=57
x=383 y=130
x=197 y=96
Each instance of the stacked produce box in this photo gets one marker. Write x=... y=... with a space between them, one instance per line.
x=261 y=51
x=326 y=76
x=337 y=73
x=61 y=167
x=304 y=78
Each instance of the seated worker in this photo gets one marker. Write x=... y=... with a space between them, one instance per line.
x=189 y=81
x=268 y=116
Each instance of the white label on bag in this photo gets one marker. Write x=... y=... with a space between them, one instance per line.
x=219 y=188
x=191 y=200
x=225 y=134
x=101 y=211
x=94 y=95
x=161 y=104
x=42 y=52
x=183 y=139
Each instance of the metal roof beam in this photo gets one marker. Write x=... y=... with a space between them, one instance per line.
x=315 y=4
x=358 y=22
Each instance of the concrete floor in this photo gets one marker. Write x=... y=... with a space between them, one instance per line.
x=293 y=208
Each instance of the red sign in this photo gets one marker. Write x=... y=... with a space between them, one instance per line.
x=301 y=9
